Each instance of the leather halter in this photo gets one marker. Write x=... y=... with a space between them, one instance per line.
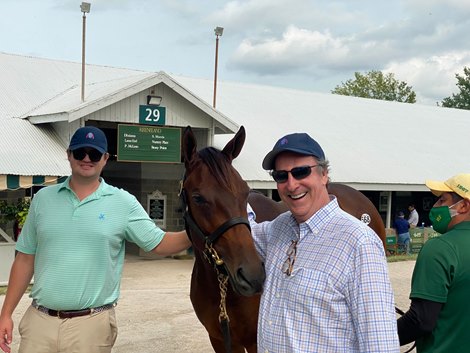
x=211 y=238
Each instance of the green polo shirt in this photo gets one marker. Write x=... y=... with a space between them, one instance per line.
x=442 y=274
x=79 y=246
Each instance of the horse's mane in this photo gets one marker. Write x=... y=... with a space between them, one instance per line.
x=219 y=165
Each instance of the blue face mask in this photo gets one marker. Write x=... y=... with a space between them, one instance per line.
x=441 y=216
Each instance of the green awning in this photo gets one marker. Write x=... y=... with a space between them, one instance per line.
x=15 y=182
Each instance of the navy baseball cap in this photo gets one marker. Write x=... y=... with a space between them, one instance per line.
x=89 y=136
x=300 y=143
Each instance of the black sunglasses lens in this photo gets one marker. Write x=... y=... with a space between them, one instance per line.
x=94 y=155
x=279 y=176
x=80 y=153
x=301 y=172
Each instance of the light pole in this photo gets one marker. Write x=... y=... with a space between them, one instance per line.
x=85 y=8
x=218 y=33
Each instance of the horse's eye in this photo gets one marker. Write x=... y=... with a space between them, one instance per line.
x=199 y=199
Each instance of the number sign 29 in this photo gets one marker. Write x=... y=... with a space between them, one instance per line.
x=152 y=115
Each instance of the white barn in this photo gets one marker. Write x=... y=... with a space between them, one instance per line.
x=385 y=149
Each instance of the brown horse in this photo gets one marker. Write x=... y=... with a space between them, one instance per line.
x=215 y=199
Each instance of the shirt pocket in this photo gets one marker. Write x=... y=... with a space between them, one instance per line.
x=315 y=291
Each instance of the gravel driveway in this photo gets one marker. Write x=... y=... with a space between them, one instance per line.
x=155 y=314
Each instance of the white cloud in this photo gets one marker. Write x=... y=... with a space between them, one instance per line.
x=422 y=42
x=305 y=44
x=432 y=79
x=297 y=50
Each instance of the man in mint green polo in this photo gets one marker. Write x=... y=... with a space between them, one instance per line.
x=73 y=242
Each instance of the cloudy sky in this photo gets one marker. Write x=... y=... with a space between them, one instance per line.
x=302 y=44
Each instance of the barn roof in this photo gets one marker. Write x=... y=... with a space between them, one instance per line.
x=371 y=144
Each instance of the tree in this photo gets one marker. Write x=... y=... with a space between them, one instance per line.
x=376 y=85
x=460 y=100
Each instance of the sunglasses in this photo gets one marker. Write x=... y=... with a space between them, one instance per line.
x=299 y=173
x=80 y=153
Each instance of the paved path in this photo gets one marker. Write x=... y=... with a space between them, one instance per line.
x=400 y=276
x=155 y=313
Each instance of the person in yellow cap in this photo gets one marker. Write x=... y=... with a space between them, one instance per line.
x=439 y=315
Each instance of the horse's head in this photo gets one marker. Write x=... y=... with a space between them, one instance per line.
x=216 y=217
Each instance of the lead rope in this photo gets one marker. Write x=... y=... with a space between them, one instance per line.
x=223 y=316
x=401 y=312
x=213 y=257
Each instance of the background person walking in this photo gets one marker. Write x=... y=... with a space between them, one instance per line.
x=401 y=226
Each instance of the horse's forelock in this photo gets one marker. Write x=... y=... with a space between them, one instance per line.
x=218 y=164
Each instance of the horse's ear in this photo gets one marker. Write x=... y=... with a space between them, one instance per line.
x=233 y=148
x=189 y=146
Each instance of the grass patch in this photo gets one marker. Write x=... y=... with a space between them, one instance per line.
x=397 y=258
x=3 y=289
x=183 y=257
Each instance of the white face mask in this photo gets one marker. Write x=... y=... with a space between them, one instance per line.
x=452 y=212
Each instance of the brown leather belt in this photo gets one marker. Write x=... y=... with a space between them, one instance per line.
x=68 y=314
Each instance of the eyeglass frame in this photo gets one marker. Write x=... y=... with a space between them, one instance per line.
x=79 y=154
x=298 y=173
x=288 y=265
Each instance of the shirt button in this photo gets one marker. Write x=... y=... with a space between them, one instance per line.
x=270 y=323
x=278 y=296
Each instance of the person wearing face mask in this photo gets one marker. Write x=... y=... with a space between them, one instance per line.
x=439 y=315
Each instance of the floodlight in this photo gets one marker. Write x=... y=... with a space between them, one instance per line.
x=219 y=31
x=154 y=100
x=85 y=7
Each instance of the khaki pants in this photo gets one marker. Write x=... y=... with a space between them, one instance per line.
x=42 y=333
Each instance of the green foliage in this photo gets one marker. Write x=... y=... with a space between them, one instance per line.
x=14 y=211
x=460 y=100
x=376 y=85
x=398 y=258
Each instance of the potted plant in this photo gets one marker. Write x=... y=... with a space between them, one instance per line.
x=7 y=211
x=15 y=212
x=22 y=211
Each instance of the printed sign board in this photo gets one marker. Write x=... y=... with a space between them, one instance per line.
x=140 y=143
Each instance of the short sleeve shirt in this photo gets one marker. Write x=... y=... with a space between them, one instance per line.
x=442 y=274
x=413 y=220
x=79 y=246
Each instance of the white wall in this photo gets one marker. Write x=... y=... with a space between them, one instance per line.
x=7 y=255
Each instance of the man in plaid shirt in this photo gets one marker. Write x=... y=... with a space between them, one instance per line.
x=327 y=287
